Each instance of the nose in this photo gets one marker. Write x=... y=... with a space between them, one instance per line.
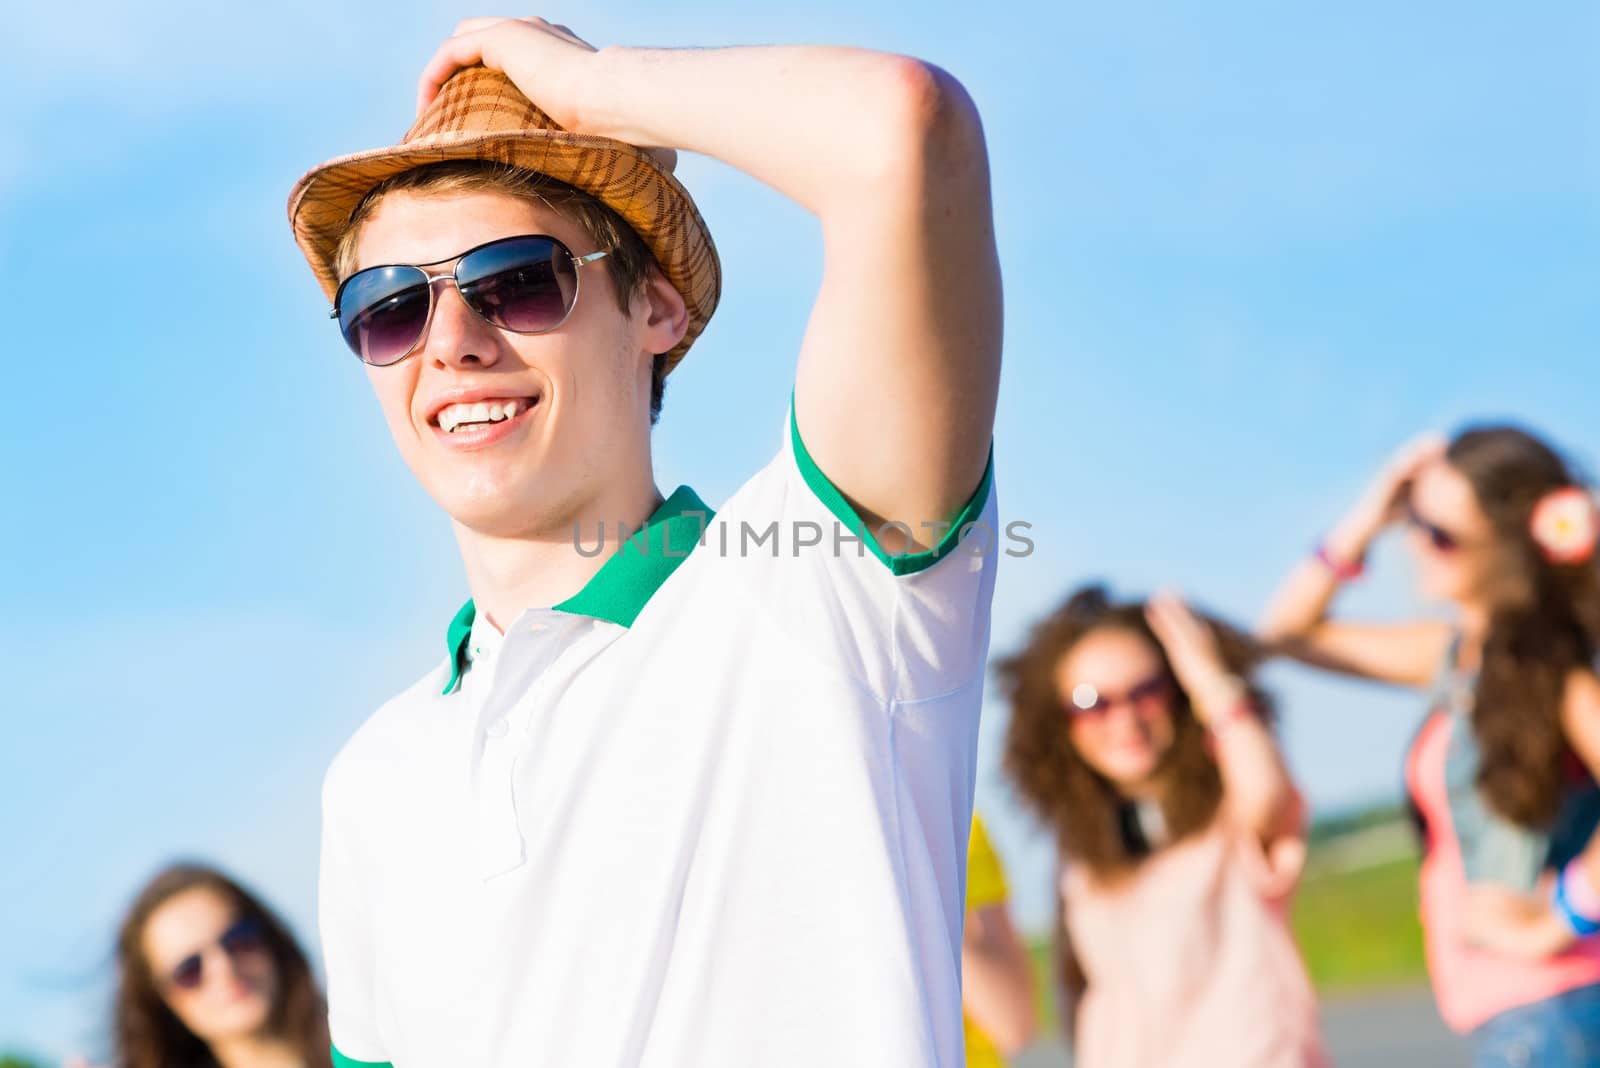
x=217 y=969
x=459 y=337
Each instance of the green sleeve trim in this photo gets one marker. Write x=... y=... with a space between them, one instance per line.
x=844 y=512
x=341 y=1061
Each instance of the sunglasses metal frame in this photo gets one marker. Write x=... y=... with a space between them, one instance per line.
x=433 y=278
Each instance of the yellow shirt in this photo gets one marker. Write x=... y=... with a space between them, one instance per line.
x=986 y=885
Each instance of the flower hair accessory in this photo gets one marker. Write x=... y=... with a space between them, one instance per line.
x=1566 y=525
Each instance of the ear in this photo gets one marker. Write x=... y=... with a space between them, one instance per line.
x=666 y=316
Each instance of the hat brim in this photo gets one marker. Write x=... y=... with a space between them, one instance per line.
x=624 y=178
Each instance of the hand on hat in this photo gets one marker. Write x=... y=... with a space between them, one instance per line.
x=549 y=63
x=542 y=59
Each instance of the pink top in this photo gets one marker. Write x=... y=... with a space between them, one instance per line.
x=1190 y=961
x=1472 y=985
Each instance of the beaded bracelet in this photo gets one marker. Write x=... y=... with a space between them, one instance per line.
x=1343 y=570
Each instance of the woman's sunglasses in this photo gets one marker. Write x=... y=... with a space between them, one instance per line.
x=526 y=284
x=243 y=938
x=1441 y=539
x=1089 y=702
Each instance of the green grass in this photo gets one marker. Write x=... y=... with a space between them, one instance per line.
x=1359 y=929
x=1044 y=983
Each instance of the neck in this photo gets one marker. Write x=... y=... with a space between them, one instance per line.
x=510 y=574
x=254 y=1051
x=1151 y=788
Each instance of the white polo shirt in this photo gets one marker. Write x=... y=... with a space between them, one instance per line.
x=711 y=811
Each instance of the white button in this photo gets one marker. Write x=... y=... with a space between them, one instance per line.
x=497 y=729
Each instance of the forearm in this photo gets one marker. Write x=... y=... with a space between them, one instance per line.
x=1256 y=787
x=815 y=123
x=997 y=991
x=1302 y=601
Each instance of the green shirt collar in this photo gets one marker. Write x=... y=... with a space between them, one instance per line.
x=619 y=591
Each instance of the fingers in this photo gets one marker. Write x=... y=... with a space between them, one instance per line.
x=456 y=52
x=472 y=25
x=1417 y=453
x=1173 y=622
x=496 y=42
x=1160 y=621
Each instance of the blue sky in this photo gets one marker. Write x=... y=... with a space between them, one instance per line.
x=1247 y=250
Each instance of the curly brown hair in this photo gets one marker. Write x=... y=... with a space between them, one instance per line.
x=1076 y=802
x=1545 y=623
x=147 y=1034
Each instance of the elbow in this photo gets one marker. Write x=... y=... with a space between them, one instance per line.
x=925 y=124
x=1274 y=639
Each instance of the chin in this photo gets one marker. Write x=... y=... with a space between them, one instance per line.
x=1131 y=773
x=248 y=1018
x=503 y=503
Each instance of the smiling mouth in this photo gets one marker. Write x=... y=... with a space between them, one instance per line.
x=457 y=417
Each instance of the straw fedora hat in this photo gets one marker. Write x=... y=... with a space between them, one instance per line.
x=480 y=114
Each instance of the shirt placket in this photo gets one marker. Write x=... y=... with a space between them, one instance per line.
x=519 y=683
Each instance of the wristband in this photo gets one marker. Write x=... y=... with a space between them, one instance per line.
x=1343 y=570
x=1576 y=901
x=1237 y=713
x=1233 y=706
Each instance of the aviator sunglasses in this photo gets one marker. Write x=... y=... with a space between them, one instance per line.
x=526 y=284
x=1089 y=702
x=242 y=938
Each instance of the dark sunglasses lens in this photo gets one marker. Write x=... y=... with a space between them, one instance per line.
x=1438 y=537
x=245 y=936
x=1148 y=690
x=522 y=284
x=383 y=311
x=188 y=973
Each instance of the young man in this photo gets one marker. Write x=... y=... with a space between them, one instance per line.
x=703 y=798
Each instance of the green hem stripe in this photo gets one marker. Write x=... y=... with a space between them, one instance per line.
x=341 y=1061
x=844 y=512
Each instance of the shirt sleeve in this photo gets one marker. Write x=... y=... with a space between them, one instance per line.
x=986 y=880
x=347 y=945
x=907 y=627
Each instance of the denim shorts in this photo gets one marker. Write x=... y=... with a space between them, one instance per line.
x=1559 y=1032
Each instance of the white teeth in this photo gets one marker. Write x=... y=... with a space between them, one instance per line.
x=454 y=416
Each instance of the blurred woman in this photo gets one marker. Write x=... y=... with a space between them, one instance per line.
x=208 y=977
x=997 y=995
x=1501 y=773
x=1137 y=737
